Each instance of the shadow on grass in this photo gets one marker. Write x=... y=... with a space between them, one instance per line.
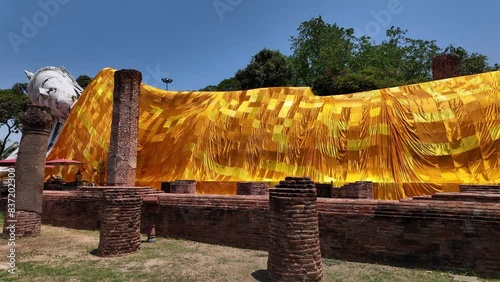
x=94 y=252
x=261 y=275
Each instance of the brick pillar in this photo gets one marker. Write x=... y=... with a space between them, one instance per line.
x=294 y=252
x=324 y=190
x=120 y=218
x=251 y=188
x=445 y=66
x=30 y=172
x=357 y=190
x=183 y=187
x=122 y=157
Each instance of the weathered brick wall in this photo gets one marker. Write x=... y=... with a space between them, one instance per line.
x=78 y=209
x=429 y=231
x=238 y=221
x=433 y=234
x=72 y=209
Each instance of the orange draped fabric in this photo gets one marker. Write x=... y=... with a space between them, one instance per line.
x=409 y=140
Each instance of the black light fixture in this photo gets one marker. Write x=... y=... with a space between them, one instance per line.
x=167 y=81
x=78 y=177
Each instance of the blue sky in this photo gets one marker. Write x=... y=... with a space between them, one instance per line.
x=201 y=42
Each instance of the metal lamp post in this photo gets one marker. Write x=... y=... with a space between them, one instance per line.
x=167 y=81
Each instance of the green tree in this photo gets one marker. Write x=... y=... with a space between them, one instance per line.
x=210 y=87
x=12 y=105
x=402 y=59
x=84 y=80
x=229 y=84
x=320 y=49
x=332 y=60
x=20 y=88
x=469 y=63
x=268 y=68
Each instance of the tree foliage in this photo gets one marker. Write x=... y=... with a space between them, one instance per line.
x=83 y=80
x=228 y=84
x=20 y=88
x=320 y=49
x=470 y=63
x=268 y=68
x=12 y=105
x=332 y=60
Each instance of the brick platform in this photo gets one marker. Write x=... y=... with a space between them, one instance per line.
x=252 y=188
x=294 y=249
x=476 y=188
x=444 y=233
x=120 y=222
x=25 y=223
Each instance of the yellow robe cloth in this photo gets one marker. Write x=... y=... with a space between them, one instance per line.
x=410 y=140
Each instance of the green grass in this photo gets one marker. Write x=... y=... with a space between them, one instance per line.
x=61 y=254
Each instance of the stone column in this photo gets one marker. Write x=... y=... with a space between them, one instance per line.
x=30 y=173
x=294 y=249
x=120 y=218
x=445 y=66
x=122 y=156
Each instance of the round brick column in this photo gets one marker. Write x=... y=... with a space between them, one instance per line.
x=294 y=249
x=120 y=222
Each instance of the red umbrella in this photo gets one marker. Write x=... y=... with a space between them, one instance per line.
x=12 y=162
x=64 y=162
x=8 y=162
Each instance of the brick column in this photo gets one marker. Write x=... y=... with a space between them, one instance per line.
x=30 y=172
x=251 y=188
x=445 y=66
x=122 y=156
x=120 y=218
x=357 y=190
x=183 y=187
x=294 y=249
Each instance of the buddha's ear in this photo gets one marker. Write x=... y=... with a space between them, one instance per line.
x=44 y=92
x=29 y=74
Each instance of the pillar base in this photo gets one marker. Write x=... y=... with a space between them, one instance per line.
x=120 y=222
x=22 y=224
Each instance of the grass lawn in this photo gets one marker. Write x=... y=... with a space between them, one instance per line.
x=62 y=254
